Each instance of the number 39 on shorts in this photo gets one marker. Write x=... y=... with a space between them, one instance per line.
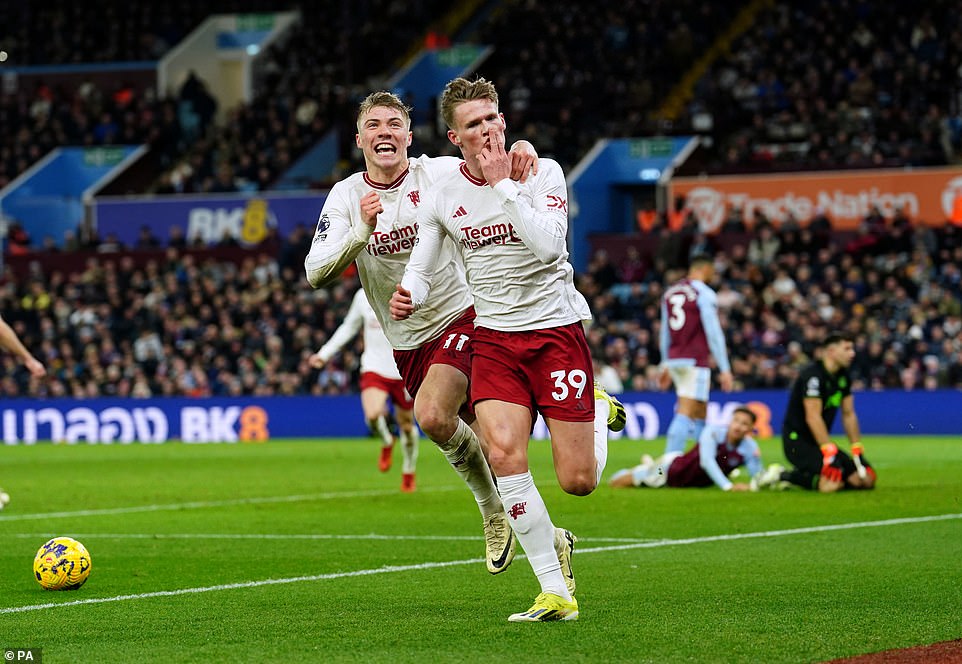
x=565 y=381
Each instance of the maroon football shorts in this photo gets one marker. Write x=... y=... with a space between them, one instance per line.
x=548 y=371
x=453 y=347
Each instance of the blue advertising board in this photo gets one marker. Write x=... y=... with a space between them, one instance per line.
x=231 y=420
x=245 y=217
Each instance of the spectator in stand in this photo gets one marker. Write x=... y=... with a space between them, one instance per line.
x=734 y=221
x=607 y=376
x=764 y=246
x=601 y=269
x=632 y=269
x=146 y=239
x=196 y=101
x=18 y=240
x=110 y=244
x=175 y=237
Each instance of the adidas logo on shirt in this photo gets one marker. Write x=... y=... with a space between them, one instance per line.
x=460 y=213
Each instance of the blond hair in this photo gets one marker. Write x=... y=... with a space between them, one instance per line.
x=461 y=90
x=387 y=100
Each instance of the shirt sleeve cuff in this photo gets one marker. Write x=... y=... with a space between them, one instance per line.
x=507 y=190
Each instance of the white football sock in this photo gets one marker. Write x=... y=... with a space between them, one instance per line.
x=409 y=450
x=529 y=519
x=463 y=452
x=601 y=437
x=380 y=426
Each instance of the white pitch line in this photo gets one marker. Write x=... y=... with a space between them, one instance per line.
x=255 y=536
x=247 y=584
x=215 y=503
x=453 y=563
x=773 y=533
x=295 y=536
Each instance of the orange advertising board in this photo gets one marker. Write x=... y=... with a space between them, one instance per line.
x=927 y=195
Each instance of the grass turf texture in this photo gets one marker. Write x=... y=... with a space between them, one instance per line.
x=166 y=518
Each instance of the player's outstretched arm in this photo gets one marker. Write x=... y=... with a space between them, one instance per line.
x=349 y=328
x=10 y=341
x=707 y=451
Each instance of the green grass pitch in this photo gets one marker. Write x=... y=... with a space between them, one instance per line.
x=296 y=551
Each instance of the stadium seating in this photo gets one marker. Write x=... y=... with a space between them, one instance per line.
x=869 y=85
x=821 y=85
x=312 y=82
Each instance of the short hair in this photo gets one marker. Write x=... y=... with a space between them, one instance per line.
x=461 y=90
x=835 y=337
x=386 y=99
x=746 y=411
x=699 y=260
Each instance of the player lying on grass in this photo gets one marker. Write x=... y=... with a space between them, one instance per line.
x=719 y=451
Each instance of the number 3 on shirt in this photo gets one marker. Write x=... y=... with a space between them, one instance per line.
x=677 y=319
x=576 y=378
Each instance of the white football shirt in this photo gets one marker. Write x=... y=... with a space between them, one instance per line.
x=383 y=252
x=378 y=356
x=513 y=242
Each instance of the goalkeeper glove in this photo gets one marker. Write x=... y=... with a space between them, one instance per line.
x=829 y=450
x=830 y=472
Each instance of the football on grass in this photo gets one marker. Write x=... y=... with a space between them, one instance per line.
x=62 y=564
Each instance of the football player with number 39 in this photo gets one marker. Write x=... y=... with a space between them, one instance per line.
x=529 y=353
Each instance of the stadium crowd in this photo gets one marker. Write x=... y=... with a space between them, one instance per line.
x=819 y=84
x=896 y=287
x=180 y=325
x=306 y=85
x=811 y=84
